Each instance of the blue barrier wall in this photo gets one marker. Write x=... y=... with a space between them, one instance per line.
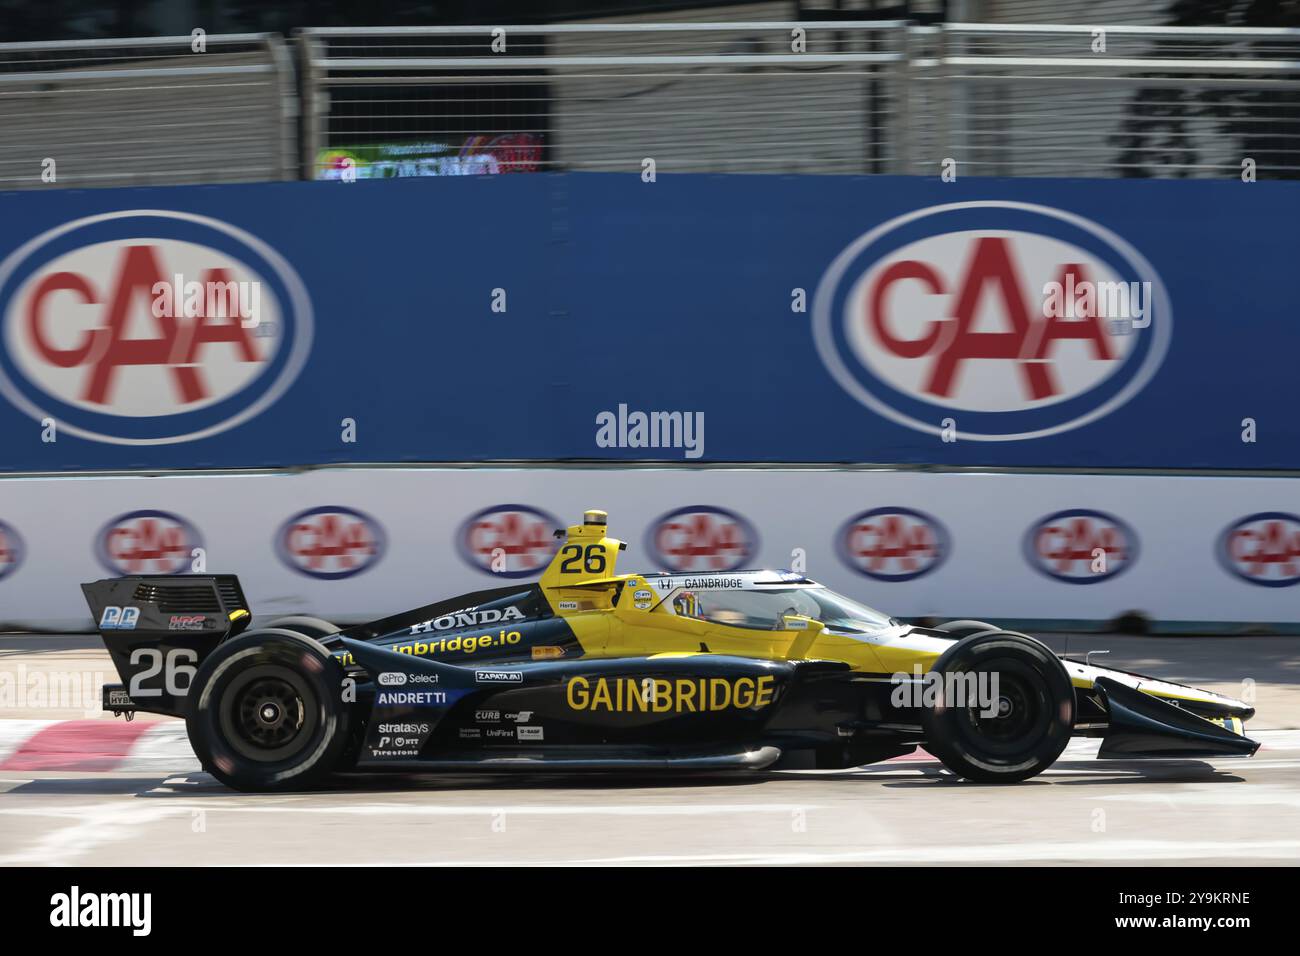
x=923 y=321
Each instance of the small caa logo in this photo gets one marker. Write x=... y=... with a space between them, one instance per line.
x=944 y=313
x=702 y=538
x=11 y=550
x=1081 y=547
x=148 y=327
x=509 y=541
x=893 y=544
x=1263 y=549
x=148 y=542
x=330 y=542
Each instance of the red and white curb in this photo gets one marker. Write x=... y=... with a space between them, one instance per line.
x=163 y=747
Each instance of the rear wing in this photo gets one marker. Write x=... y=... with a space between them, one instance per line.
x=158 y=628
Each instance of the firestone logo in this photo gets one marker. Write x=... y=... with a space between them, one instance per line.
x=330 y=542
x=147 y=542
x=1080 y=546
x=11 y=550
x=939 y=319
x=1263 y=549
x=85 y=341
x=702 y=538
x=509 y=541
x=893 y=544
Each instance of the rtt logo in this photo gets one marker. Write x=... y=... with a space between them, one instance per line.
x=1080 y=546
x=1263 y=549
x=893 y=544
x=702 y=538
x=511 y=541
x=941 y=313
x=330 y=542
x=86 y=341
x=147 y=542
x=11 y=550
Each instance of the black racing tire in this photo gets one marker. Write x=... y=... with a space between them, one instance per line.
x=313 y=627
x=964 y=628
x=267 y=712
x=1035 y=702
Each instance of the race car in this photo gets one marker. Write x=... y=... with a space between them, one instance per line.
x=588 y=669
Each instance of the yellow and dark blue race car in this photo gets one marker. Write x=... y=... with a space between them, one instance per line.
x=592 y=670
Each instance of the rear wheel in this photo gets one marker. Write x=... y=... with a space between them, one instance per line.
x=313 y=627
x=267 y=712
x=1005 y=710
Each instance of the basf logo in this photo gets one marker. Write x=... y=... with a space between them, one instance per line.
x=11 y=550
x=1263 y=549
x=893 y=544
x=945 y=313
x=149 y=327
x=509 y=541
x=147 y=542
x=330 y=542
x=1080 y=546
x=702 y=538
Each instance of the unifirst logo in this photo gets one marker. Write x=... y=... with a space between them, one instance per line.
x=660 y=696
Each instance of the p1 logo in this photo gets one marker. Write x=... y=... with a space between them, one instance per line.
x=147 y=542
x=119 y=618
x=330 y=542
x=702 y=538
x=1263 y=549
x=90 y=340
x=893 y=544
x=509 y=541
x=942 y=313
x=1080 y=546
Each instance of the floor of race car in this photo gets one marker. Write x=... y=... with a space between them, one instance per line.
x=135 y=798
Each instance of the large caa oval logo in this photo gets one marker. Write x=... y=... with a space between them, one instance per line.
x=702 y=538
x=944 y=313
x=330 y=542
x=11 y=550
x=1080 y=546
x=149 y=327
x=147 y=542
x=1263 y=549
x=893 y=544
x=509 y=541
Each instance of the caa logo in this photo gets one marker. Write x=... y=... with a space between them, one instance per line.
x=1263 y=549
x=893 y=544
x=518 y=540
x=81 y=341
x=702 y=538
x=330 y=542
x=939 y=314
x=147 y=542
x=11 y=550
x=1064 y=546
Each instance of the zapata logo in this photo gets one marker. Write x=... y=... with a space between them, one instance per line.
x=702 y=538
x=1080 y=546
x=1015 y=321
x=148 y=542
x=511 y=541
x=1263 y=549
x=330 y=542
x=893 y=544
x=149 y=327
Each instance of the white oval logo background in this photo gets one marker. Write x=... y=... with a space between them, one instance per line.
x=990 y=389
x=150 y=392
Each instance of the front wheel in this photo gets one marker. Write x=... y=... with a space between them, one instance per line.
x=1004 y=710
x=267 y=712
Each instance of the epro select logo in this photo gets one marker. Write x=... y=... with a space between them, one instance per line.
x=1080 y=546
x=943 y=314
x=510 y=541
x=147 y=542
x=88 y=339
x=893 y=544
x=1263 y=549
x=702 y=538
x=330 y=542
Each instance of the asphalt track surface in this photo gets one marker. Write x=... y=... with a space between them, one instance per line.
x=1082 y=811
